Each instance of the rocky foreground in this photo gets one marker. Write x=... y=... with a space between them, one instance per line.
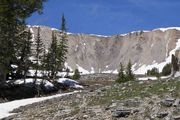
x=106 y=100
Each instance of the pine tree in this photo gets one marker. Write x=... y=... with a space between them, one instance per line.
x=76 y=75
x=129 y=73
x=121 y=76
x=52 y=58
x=12 y=23
x=175 y=66
x=44 y=63
x=23 y=61
x=38 y=53
x=167 y=69
x=67 y=73
x=62 y=45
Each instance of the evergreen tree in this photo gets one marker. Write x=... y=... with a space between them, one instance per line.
x=67 y=72
x=153 y=72
x=12 y=23
x=62 y=45
x=175 y=66
x=38 y=53
x=52 y=59
x=167 y=69
x=129 y=73
x=76 y=75
x=44 y=63
x=57 y=51
x=24 y=53
x=121 y=76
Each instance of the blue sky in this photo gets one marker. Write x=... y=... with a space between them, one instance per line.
x=109 y=17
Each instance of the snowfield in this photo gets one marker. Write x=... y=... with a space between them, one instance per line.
x=6 y=108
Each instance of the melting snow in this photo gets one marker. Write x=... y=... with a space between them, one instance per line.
x=47 y=84
x=7 y=107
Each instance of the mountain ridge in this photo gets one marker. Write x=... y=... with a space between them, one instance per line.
x=92 y=53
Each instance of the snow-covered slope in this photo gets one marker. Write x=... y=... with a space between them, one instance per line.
x=103 y=54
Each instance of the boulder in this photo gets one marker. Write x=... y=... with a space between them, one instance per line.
x=162 y=114
x=168 y=102
x=121 y=113
x=176 y=117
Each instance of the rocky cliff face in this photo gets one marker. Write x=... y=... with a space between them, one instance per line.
x=97 y=54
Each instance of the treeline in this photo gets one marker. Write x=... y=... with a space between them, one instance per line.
x=51 y=60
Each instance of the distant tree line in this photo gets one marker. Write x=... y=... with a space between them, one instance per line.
x=168 y=69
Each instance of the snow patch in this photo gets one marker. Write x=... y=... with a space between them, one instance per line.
x=67 y=66
x=82 y=70
x=76 y=48
x=177 y=74
x=46 y=83
x=92 y=70
x=69 y=82
x=147 y=78
x=6 y=108
x=152 y=45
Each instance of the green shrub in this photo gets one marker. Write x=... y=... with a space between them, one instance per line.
x=125 y=76
x=153 y=72
x=76 y=75
x=167 y=69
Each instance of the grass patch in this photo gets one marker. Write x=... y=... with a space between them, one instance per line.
x=137 y=89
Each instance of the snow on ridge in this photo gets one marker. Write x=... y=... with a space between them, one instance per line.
x=143 y=69
x=125 y=34
x=168 y=28
x=6 y=108
x=99 y=35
